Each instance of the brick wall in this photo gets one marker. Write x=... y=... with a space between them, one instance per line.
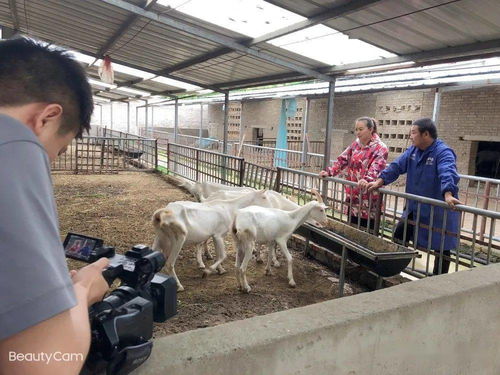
x=473 y=112
x=470 y=112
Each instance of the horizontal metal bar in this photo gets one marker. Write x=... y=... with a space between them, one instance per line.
x=417 y=198
x=216 y=38
x=320 y=17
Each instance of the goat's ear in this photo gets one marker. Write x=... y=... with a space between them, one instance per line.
x=156 y=218
x=318 y=196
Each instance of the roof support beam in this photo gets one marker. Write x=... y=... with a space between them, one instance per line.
x=217 y=38
x=322 y=16
x=15 y=16
x=180 y=79
x=129 y=22
x=197 y=60
x=436 y=55
x=441 y=55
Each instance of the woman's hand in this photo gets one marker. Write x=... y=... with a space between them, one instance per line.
x=323 y=174
x=363 y=184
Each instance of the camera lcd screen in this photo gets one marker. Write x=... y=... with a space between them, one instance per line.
x=80 y=247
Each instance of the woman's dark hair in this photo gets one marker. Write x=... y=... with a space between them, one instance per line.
x=370 y=122
x=426 y=125
x=31 y=72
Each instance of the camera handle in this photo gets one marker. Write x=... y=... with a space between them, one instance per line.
x=111 y=273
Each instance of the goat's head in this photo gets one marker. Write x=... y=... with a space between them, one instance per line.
x=318 y=213
x=167 y=230
x=261 y=198
x=160 y=217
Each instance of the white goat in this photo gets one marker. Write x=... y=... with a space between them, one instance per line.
x=203 y=190
x=269 y=225
x=185 y=222
x=276 y=200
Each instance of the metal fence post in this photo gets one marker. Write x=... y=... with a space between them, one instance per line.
x=156 y=154
x=76 y=157
x=278 y=180
x=378 y=213
x=242 y=171
x=168 y=155
x=487 y=190
x=197 y=152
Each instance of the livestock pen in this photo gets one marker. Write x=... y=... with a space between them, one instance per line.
x=118 y=207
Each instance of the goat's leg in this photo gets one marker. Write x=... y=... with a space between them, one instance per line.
x=239 y=257
x=270 y=255
x=208 y=254
x=172 y=257
x=220 y=256
x=288 y=256
x=273 y=252
x=199 y=258
x=248 y=247
x=258 y=256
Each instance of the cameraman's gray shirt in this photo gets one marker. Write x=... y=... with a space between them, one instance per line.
x=34 y=278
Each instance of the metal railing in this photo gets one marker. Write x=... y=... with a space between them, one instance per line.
x=259 y=177
x=108 y=155
x=274 y=157
x=475 y=245
x=476 y=234
x=164 y=137
x=202 y=165
x=315 y=147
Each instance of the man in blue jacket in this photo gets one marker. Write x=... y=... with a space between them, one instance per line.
x=431 y=171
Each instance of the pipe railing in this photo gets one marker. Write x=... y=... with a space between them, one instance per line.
x=476 y=246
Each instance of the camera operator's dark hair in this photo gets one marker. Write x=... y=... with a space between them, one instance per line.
x=426 y=125
x=31 y=72
x=370 y=122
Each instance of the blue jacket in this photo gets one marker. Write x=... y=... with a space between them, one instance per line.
x=430 y=173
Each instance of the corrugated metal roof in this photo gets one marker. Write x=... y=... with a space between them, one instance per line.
x=149 y=44
x=404 y=27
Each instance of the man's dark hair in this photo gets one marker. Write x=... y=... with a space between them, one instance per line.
x=426 y=125
x=31 y=72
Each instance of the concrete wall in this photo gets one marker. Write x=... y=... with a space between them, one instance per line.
x=446 y=325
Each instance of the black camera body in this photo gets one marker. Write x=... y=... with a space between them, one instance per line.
x=122 y=323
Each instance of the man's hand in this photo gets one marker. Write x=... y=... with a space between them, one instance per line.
x=323 y=174
x=451 y=200
x=375 y=185
x=91 y=280
x=363 y=184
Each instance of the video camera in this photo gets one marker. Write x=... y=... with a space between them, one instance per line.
x=122 y=323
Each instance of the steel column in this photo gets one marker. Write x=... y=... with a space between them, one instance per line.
x=176 y=119
x=128 y=117
x=226 y=112
x=201 y=123
x=328 y=136
x=437 y=106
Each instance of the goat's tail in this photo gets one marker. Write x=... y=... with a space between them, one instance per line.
x=242 y=234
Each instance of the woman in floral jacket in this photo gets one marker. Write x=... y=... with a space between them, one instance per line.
x=365 y=159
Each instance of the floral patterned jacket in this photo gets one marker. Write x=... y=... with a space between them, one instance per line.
x=362 y=162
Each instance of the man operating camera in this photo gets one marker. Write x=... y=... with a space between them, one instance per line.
x=45 y=102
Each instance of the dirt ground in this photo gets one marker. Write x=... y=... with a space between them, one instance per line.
x=118 y=209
